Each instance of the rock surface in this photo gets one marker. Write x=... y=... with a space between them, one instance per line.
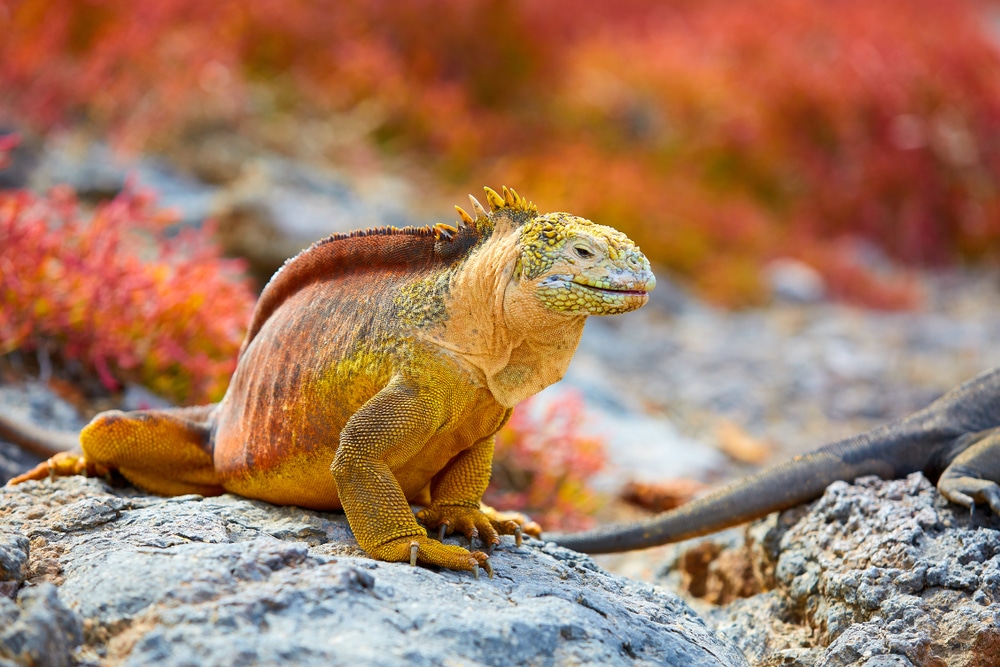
x=877 y=573
x=229 y=581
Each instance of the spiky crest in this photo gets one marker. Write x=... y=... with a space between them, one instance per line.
x=510 y=205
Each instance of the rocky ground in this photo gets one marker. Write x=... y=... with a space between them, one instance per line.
x=876 y=573
x=120 y=578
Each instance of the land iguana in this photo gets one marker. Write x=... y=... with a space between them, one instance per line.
x=377 y=367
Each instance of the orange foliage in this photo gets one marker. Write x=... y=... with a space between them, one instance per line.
x=119 y=294
x=719 y=133
x=543 y=463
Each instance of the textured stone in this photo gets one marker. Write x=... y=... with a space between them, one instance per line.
x=13 y=561
x=38 y=630
x=230 y=581
x=875 y=574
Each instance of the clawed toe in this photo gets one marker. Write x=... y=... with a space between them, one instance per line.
x=967 y=491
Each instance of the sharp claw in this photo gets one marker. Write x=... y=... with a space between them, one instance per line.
x=473 y=536
x=490 y=548
x=488 y=568
x=475 y=571
x=414 y=548
x=441 y=531
x=518 y=538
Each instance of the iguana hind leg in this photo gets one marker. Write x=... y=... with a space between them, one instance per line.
x=166 y=452
x=972 y=476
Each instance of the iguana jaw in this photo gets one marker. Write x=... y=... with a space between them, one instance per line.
x=584 y=295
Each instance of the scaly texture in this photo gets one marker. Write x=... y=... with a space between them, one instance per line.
x=377 y=368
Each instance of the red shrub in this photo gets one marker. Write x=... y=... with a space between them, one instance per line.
x=120 y=295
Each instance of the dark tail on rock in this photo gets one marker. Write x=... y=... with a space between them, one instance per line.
x=924 y=441
x=780 y=487
x=39 y=441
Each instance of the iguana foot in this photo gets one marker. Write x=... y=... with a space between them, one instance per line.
x=424 y=550
x=523 y=521
x=972 y=476
x=63 y=464
x=471 y=522
x=967 y=491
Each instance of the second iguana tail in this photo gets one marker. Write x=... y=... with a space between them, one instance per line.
x=779 y=487
x=40 y=442
x=956 y=438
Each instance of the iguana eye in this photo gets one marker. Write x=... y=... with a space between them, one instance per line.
x=583 y=252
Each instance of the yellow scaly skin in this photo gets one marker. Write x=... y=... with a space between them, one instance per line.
x=376 y=370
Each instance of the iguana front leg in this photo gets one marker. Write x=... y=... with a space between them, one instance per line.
x=456 y=493
x=393 y=426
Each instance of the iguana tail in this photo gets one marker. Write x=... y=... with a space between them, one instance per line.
x=40 y=442
x=927 y=441
x=779 y=487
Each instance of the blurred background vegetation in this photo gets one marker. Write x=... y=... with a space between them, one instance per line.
x=720 y=134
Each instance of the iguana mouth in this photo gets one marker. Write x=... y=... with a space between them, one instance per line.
x=634 y=289
x=612 y=290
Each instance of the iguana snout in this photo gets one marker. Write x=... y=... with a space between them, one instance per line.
x=580 y=267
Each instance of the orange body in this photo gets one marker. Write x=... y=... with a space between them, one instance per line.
x=377 y=368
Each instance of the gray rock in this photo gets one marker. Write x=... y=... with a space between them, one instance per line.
x=230 y=581
x=39 y=630
x=795 y=281
x=13 y=562
x=278 y=207
x=880 y=573
x=97 y=172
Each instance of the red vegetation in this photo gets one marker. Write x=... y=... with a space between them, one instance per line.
x=716 y=139
x=720 y=134
x=119 y=294
x=544 y=461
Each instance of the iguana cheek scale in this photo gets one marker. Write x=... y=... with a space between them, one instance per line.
x=378 y=366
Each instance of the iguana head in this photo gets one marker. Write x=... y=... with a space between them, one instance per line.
x=516 y=304
x=570 y=264
x=577 y=266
